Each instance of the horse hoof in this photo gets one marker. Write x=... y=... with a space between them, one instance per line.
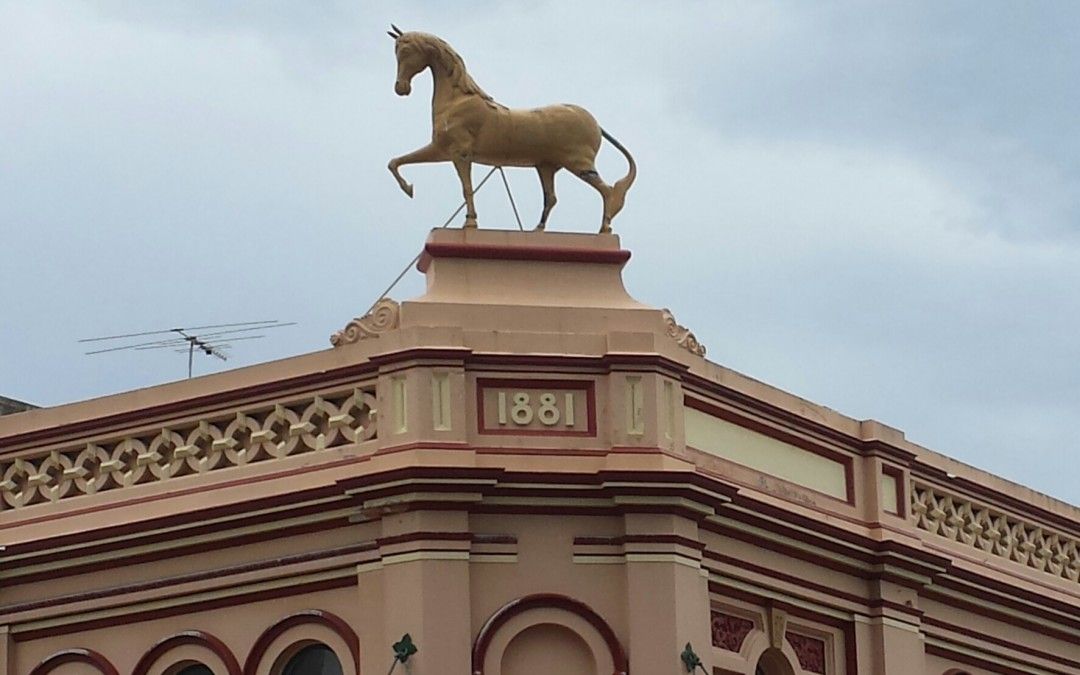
x=470 y=223
x=408 y=189
x=540 y=227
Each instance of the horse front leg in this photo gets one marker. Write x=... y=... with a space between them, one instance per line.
x=464 y=171
x=425 y=155
x=547 y=184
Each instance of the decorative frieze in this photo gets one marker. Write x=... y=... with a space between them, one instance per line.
x=810 y=652
x=729 y=632
x=980 y=527
x=218 y=442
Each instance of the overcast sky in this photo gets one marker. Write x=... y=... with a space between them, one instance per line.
x=875 y=206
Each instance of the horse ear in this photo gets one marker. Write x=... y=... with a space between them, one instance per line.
x=391 y=35
x=397 y=31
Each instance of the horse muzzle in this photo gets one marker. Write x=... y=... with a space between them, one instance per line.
x=402 y=88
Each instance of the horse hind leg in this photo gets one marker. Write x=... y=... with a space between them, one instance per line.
x=547 y=183
x=590 y=176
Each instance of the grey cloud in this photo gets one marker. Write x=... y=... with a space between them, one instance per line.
x=874 y=207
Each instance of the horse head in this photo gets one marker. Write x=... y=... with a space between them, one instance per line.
x=411 y=59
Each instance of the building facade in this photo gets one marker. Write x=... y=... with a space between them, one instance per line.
x=527 y=472
x=9 y=406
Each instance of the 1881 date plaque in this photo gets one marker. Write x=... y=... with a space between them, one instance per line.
x=526 y=407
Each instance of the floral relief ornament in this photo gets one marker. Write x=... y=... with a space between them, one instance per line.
x=384 y=316
x=682 y=334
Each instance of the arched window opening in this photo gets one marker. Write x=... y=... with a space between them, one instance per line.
x=773 y=662
x=548 y=648
x=195 y=669
x=314 y=659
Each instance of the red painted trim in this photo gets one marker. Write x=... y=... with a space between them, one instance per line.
x=801 y=582
x=435 y=250
x=844 y=460
x=563 y=452
x=851 y=649
x=410 y=479
x=1015 y=646
x=819 y=588
x=539 y=601
x=189 y=609
x=695 y=456
x=124 y=561
x=167 y=582
x=963 y=657
x=438 y=356
x=711 y=390
x=312 y=616
x=901 y=488
x=86 y=656
x=425 y=536
x=48 y=544
x=422 y=445
x=191 y=637
x=812 y=557
x=896 y=607
x=587 y=386
x=675 y=539
x=562 y=364
x=921 y=560
x=983 y=608
x=494 y=539
x=1008 y=594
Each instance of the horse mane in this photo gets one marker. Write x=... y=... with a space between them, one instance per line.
x=452 y=62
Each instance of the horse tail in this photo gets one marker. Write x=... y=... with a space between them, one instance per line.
x=619 y=190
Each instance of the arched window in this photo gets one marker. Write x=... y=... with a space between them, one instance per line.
x=773 y=662
x=314 y=659
x=548 y=648
x=195 y=669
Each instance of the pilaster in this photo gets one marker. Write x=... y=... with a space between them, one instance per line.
x=7 y=658
x=667 y=592
x=896 y=641
x=421 y=587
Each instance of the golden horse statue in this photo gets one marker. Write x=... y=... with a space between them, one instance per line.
x=469 y=126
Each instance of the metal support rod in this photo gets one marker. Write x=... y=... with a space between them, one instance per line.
x=441 y=227
x=509 y=194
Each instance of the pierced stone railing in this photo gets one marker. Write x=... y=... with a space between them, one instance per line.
x=263 y=433
x=993 y=532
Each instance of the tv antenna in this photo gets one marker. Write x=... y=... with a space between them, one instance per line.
x=214 y=340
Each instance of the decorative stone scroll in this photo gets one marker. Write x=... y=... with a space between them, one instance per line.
x=729 y=632
x=982 y=528
x=810 y=652
x=383 y=316
x=236 y=439
x=682 y=335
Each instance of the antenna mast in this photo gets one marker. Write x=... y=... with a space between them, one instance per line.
x=212 y=340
